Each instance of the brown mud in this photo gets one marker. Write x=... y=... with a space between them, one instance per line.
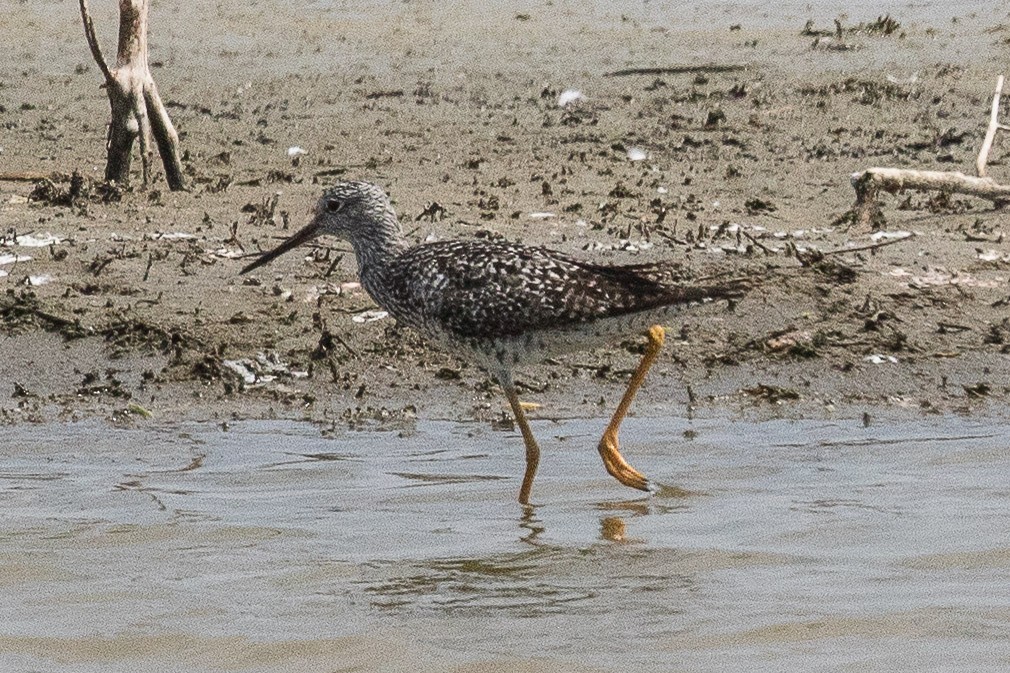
x=744 y=132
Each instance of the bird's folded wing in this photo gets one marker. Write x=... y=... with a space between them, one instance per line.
x=481 y=289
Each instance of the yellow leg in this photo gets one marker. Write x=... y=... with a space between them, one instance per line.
x=532 y=450
x=612 y=458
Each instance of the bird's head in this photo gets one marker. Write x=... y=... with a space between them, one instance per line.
x=353 y=211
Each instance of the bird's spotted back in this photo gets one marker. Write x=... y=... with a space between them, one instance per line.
x=485 y=290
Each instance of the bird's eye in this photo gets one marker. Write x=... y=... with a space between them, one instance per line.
x=333 y=205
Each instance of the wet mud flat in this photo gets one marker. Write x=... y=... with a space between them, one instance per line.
x=721 y=142
x=796 y=544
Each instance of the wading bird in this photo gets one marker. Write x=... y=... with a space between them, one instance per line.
x=504 y=304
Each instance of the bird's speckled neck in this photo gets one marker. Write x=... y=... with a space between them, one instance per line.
x=376 y=244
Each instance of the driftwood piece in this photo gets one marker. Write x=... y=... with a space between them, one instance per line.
x=137 y=110
x=678 y=70
x=869 y=183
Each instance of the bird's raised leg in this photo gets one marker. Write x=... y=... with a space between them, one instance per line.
x=532 y=450
x=612 y=458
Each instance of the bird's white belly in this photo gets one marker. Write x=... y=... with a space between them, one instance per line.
x=533 y=347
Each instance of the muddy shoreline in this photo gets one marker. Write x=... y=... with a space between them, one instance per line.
x=131 y=307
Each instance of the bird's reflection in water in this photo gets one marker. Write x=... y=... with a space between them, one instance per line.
x=530 y=522
x=613 y=528
x=612 y=525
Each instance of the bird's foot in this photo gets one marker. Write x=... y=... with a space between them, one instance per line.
x=619 y=468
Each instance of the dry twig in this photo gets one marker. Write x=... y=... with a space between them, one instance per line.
x=990 y=134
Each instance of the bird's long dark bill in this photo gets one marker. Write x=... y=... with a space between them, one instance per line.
x=306 y=233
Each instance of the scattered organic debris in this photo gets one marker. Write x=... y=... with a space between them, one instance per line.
x=74 y=191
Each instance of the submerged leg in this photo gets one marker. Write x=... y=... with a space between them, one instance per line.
x=612 y=458
x=532 y=450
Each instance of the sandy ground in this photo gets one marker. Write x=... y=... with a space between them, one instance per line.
x=138 y=310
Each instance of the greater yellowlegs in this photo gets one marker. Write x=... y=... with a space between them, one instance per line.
x=504 y=304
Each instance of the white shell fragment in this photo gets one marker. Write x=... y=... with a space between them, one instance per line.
x=10 y=259
x=569 y=96
x=168 y=236
x=911 y=79
x=637 y=154
x=936 y=276
x=370 y=316
x=40 y=241
x=888 y=235
x=244 y=368
x=229 y=253
x=295 y=151
x=266 y=367
x=985 y=256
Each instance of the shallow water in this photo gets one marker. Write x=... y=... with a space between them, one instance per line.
x=807 y=546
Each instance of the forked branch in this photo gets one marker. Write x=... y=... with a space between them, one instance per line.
x=137 y=110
